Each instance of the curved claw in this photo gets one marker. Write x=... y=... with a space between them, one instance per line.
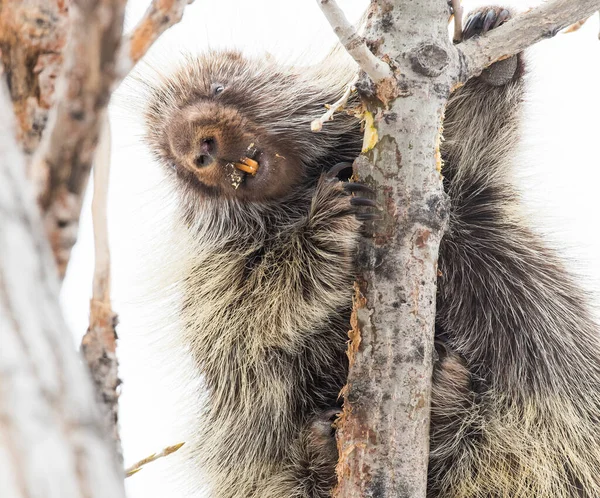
x=357 y=187
x=368 y=216
x=332 y=414
x=481 y=22
x=502 y=18
x=335 y=170
x=489 y=20
x=361 y=201
x=474 y=23
x=450 y=5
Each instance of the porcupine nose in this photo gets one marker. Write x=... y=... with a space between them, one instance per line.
x=206 y=154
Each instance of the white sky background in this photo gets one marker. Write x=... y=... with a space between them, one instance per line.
x=560 y=177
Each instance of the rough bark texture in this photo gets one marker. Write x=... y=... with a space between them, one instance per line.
x=62 y=163
x=32 y=36
x=384 y=443
x=34 y=51
x=524 y=30
x=52 y=443
x=383 y=434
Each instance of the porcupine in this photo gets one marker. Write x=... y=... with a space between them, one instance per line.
x=267 y=287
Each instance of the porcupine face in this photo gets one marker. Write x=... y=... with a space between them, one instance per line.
x=218 y=116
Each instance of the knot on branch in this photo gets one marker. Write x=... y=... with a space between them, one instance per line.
x=429 y=59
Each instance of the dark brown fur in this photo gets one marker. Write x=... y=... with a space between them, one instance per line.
x=266 y=274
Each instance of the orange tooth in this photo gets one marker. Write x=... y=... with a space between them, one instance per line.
x=249 y=162
x=245 y=168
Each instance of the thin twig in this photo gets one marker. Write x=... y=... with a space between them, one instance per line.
x=136 y=467
x=99 y=342
x=354 y=43
x=458 y=18
x=576 y=26
x=519 y=33
x=317 y=124
x=159 y=17
x=101 y=286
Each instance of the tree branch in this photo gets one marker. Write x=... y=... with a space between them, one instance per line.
x=136 y=467
x=92 y=69
x=354 y=43
x=62 y=163
x=519 y=33
x=99 y=344
x=317 y=124
x=53 y=443
x=32 y=37
x=457 y=12
x=159 y=17
x=383 y=431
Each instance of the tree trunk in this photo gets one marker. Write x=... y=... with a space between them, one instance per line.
x=52 y=442
x=390 y=379
x=383 y=433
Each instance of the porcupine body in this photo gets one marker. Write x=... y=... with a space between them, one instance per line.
x=266 y=289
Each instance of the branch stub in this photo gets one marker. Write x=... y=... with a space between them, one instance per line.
x=429 y=59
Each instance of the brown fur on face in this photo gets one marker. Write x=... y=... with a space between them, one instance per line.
x=206 y=138
x=204 y=118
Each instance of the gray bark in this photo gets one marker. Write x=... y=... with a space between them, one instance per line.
x=523 y=31
x=52 y=442
x=383 y=433
x=385 y=430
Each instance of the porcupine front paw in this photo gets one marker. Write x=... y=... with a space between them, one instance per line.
x=361 y=203
x=479 y=22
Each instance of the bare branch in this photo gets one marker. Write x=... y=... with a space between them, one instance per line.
x=136 y=467
x=159 y=17
x=524 y=30
x=52 y=439
x=62 y=163
x=354 y=43
x=91 y=70
x=99 y=342
x=317 y=124
x=458 y=25
x=101 y=287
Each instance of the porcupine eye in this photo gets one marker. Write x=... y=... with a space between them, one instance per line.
x=216 y=88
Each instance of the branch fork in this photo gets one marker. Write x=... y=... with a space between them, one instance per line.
x=472 y=56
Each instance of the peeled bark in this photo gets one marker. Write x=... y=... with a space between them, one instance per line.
x=33 y=34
